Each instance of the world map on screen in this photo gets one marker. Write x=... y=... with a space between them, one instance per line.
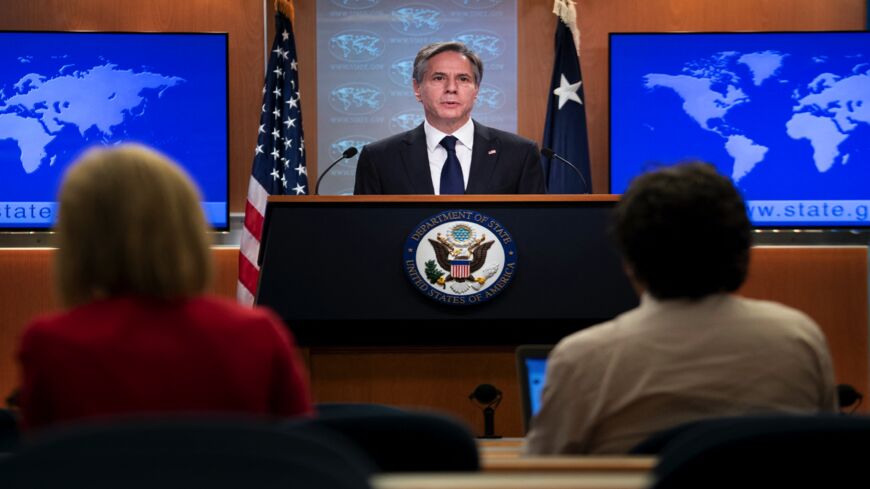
x=785 y=115
x=825 y=111
x=97 y=103
x=62 y=93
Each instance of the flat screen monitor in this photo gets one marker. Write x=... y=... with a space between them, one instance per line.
x=64 y=92
x=786 y=115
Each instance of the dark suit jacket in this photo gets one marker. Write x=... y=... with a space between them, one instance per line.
x=501 y=163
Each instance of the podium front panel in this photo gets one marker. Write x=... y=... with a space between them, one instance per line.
x=334 y=272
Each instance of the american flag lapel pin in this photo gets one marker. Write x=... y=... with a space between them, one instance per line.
x=491 y=152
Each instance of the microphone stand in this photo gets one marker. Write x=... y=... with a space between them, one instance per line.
x=489 y=423
x=348 y=153
x=549 y=153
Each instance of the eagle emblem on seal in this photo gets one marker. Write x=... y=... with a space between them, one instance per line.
x=461 y=252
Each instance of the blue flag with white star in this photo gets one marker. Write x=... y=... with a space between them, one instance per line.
x=565 y=129
x=279 y=157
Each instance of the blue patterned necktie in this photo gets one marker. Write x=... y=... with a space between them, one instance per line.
x=451 y=173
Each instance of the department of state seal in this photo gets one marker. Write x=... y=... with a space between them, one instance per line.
x=460 y=257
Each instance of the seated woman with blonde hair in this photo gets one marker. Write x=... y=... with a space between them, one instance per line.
x=139 y=335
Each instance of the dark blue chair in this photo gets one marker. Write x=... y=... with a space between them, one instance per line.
x=9 y=432
x=400 y=440
x=657 y=442
x=333 y=409
x=766 y=451
x=186 y=453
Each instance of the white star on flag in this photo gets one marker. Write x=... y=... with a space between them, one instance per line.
x=567 y=91
x=274 y=170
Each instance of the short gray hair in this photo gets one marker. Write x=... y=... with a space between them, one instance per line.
x=421 y=62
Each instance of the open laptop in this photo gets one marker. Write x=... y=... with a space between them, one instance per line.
x=531 y=373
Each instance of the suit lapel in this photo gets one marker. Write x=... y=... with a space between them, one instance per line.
x=415 y=159
x=484 y=156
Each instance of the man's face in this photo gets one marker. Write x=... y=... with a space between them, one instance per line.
x=448 y=91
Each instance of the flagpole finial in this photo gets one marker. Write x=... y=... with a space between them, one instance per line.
x=566 y=10
x=286 y=7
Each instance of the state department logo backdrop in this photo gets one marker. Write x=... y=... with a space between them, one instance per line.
x=356 y=46
x=460 y=257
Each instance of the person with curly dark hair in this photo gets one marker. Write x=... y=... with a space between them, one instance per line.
x=692 y=349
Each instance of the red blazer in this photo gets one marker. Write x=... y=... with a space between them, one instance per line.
x=133 y=355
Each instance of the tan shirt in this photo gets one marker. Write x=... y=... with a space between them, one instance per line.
x=664 y=363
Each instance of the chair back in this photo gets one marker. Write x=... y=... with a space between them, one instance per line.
x=399 y=440
x=657 y=442
x=185 y=453
x=9 y=431
x=766 y=451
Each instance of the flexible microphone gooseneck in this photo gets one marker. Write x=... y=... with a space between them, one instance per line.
x=348 y=153
x=549 y=153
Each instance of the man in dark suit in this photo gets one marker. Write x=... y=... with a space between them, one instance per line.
x=449 y=153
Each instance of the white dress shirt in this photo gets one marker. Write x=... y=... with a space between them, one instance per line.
x=438 y=155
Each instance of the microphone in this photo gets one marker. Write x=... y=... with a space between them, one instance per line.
x=549 y=153
x=348 y=153
x=485 y=394
x=848 y=395
x=488 y=397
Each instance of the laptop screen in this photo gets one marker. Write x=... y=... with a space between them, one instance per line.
x=531 y=372
x=536 y=370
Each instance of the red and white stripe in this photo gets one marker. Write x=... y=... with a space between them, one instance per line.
x=461 y=270
x=249 y=245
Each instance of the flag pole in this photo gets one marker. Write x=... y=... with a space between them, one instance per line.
x=286 y=8
x=566 y=11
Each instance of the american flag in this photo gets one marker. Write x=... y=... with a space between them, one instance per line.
x=279 y=158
